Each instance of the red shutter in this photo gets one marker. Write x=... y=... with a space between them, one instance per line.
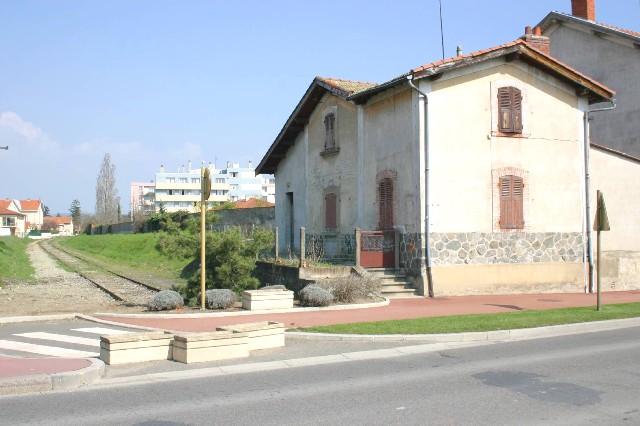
x=386 y=203
x=511 y=202
x=330 y=208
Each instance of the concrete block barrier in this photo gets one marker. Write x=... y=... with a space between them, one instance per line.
x=254 y=300
x=135 y=347
x=262 y=335
x=212 y=346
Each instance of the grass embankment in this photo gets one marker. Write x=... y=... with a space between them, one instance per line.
x=485 y=322
x=135 y=251
x=14 y=262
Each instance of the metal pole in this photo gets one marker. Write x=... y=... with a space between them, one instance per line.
x=599 y=227
x=202 y=239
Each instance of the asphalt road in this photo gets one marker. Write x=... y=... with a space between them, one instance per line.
x=591 y=378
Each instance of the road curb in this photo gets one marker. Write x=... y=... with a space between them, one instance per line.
x=44 y=382
x=385 y=302
x=482 y=336
x=33 y=318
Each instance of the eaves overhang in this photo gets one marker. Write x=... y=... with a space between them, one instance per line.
x=554 y=18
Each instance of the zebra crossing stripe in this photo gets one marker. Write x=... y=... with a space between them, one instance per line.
x=46 y=350
x=101 y=330
x=62 y=338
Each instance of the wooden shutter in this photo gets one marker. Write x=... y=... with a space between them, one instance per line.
x=511 y=202
x=330 y=210
x=386 y=203
x=509 y=110
x=329 y=131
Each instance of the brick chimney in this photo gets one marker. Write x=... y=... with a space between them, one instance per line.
x=536 y=40
x=585 y=9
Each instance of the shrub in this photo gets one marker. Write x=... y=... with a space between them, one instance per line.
x=219 y=298
x=273 y=287
x=313 y=295
x=350 y=289
x=165 y=300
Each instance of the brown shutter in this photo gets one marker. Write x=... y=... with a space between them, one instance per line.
x=386 y=203
x=329 y=129
x=511 y=202
x=505 y=122
x=330 y=208
x=516 y=109
x=509 y=110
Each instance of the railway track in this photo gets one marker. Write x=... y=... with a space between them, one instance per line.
x=118 y=286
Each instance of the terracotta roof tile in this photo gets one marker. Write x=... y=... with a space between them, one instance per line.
x=29 y=205
x=5 y=211
x=57 y=220
x=251 y=203
x=348 y=86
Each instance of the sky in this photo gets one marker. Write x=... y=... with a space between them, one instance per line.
x=157 y=82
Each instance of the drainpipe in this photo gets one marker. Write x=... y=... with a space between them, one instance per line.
x=587 y=182
x=427 y=234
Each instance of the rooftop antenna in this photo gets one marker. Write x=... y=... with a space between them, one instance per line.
x=441 y=30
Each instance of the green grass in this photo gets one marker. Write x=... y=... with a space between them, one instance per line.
x=14 y=262
x=136 y=251
x=485 y=322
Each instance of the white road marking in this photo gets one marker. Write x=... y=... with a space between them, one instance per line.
x=101 y=330
x=62 y=338
x=46 y=350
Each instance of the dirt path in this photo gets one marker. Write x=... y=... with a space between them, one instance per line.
x=56 y=291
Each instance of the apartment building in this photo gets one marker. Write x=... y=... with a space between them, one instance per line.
x=180 y=190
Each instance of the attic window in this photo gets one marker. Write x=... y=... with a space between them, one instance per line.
x=330 y=131
x=510 y=110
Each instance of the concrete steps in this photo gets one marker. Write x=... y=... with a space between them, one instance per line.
x=394 y=283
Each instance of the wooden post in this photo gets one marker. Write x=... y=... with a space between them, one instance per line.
x=275 y=238
x=302 y=248
x=358 y=233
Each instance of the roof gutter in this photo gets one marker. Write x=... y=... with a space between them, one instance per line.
x=427 y=233
x=587 y=190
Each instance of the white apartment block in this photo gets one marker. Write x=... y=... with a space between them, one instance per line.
x=181 y=190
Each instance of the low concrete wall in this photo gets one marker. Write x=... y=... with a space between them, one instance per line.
x=295 y=278
x=508 y=279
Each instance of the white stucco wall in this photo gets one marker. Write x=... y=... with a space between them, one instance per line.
x=465 y=149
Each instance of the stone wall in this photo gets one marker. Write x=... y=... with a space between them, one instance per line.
x=493 y=248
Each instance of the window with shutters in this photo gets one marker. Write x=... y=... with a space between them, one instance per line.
x=385 y=189
x=330 y=211
x=331 y=143
x=511 y=202
x=510 y=110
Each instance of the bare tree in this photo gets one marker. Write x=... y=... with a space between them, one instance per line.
x=107 y=200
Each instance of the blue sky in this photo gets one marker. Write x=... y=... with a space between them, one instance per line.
x=156 y=82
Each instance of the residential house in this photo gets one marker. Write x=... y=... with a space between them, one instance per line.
x=63 y=224
x=610 y=55
x=467 y=173
x=33 y=210
x=12 y=222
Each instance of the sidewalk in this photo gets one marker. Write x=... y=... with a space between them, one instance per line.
x=19 y=375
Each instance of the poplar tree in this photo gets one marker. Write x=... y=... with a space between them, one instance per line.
x=107 y=200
